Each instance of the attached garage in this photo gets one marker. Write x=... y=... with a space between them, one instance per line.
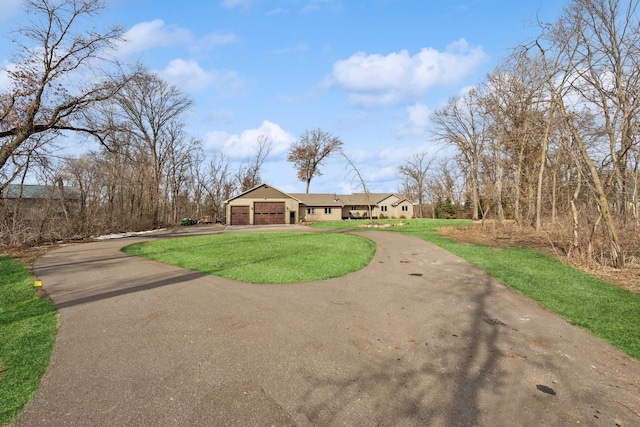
x=267 y=213
x=262 y=205
x=239 y=215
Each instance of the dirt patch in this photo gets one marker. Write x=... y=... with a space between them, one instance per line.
x=27 y=255
x=511 y=235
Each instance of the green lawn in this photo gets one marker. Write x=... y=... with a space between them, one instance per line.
x=28 y=322
x=270 y=258
x=611 y=313
x=27 y=329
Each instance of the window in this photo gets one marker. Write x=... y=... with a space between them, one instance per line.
x=405 y=208
x=383 y=208
x=311 y=211
x=327 y=210
x=353 y=208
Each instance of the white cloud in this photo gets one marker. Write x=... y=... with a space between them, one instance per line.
x=388 y=173
x=374 y=80
x=397 y=154
x=244 y=145
x=190 y=77
x=152 y=34
x=10 y=8
x=417 y=123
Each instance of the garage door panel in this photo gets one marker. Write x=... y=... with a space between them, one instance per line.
x=266 y=213
x=239 y=215
x=269 y=207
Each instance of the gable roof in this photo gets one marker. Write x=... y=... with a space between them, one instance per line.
x=400 y=200
x=321 y=199
x=315 y=199
x=356 y=199
x=263 y=190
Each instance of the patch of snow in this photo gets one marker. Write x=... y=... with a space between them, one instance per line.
x=125 y=234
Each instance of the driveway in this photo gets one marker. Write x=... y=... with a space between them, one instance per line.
x=417 y=338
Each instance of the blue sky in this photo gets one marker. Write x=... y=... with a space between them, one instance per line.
x=369 y=72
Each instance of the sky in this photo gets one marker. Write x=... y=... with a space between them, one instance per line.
x=367 y=71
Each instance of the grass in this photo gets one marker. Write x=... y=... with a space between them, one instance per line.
x=605 y=310
x=27 y=330
x=269 y=258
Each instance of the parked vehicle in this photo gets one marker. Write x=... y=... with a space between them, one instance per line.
x=187 y=221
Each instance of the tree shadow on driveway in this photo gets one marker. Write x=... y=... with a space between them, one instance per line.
x=439 y=380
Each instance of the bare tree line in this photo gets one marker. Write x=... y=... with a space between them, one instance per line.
x=550 y=137
x=147 y=172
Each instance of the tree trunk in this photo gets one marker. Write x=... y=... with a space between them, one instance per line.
x=543 y=162
x=617 y=256
x=474 y=189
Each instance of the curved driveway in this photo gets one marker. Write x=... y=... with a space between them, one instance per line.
x=417 y=338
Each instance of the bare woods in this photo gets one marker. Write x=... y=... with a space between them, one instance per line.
x=550 y=137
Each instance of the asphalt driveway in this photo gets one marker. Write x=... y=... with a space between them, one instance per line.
x=418 y=338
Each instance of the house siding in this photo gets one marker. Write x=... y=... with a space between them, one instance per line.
x=393 y=206
x=268 y=205
x=319 y=214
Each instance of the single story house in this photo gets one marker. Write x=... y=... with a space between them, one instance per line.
x=35 y=195
x=264 y=204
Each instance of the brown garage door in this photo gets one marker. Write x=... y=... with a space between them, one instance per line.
x=268 y=213
x=239 y=215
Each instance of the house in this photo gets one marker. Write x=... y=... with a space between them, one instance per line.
x=35 y=195
x=264 y=204
x=32 y=205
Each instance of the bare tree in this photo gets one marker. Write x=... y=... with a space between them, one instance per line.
x=309 y=153
x=249 y=176
x=218 y=184
x=351 y=167
x=444 y=187
x=179 y=178
x=149 y=110
x=461 y=123
x=514 y=102
x=596 y=42
x=54 y=81
x=415 y=172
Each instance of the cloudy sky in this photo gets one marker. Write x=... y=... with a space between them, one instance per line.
x=367 y=71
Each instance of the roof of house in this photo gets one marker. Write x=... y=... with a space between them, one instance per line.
x=328 y=199
x=315 y=199
x=260 y=187
x=16 y=191
x=356 y=199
